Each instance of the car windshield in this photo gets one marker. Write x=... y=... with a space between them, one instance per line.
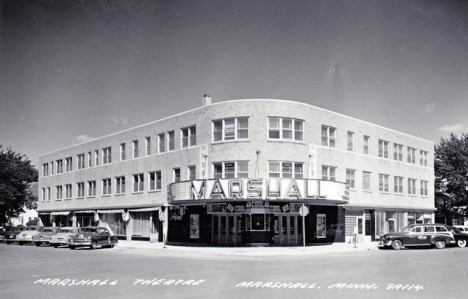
x=406 y=229
x=47 y=230
x=89 y=230
x=31 y=228
x=455 y=229
x=65 y=231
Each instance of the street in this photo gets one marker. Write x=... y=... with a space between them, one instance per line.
x=47 y=272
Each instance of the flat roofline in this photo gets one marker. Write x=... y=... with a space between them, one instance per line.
x=229 y=101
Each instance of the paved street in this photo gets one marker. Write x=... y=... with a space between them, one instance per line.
x=150 y=271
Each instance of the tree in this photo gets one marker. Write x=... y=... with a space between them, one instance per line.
x=16 y=173
x=451 y=176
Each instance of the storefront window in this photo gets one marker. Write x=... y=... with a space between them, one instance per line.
x=258 y=221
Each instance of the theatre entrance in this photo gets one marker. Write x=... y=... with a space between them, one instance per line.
x=287 y=229
x=228 y=229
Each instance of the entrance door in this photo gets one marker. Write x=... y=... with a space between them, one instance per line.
x=227 y=229
x=289 y=232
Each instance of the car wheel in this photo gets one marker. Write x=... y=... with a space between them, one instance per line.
x=21 y=243
x=397 y=244
x=461 y=243
x=93 y=245
x=55 y=246
x=8 y=242
x=440 y=244
x=72 y=247
x=38 y=244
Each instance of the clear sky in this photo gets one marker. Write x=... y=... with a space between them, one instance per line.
x=75 y=70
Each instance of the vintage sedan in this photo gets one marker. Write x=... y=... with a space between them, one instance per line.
x=44 y=235
x=461 y=238
x=63 y=235
x=11 y=233
x=26 y=236
x=438 y=235
x=462 y=228
x=93 y=237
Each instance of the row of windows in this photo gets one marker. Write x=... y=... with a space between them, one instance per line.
x=89 y=188
x=231 y=129
x=329 y=140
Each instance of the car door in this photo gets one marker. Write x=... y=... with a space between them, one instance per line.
x=418 y=237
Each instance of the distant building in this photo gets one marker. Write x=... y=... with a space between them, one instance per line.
x=242 y=173
x=29 y=215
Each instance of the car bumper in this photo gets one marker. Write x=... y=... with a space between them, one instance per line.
x=384 y=243
x=79 y=242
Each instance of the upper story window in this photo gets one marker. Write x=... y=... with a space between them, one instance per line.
x=176 y=172
x=285 y=128
x=155 y=180
x=96 y=157
x=350 y=141
x=80 y=161
x=398 y=185
x=123 y=151
x=135 y=149
x=424 y=188
x=162 y=142
x=138 y=182
x=80 y=188
x=366 y=181
x=45 y=169
x=351 y=178
x=231 y=170
x=231 y=129
x=192 y=172
x=120 y=185
x=68 y=164
x=189 y=136
x=90 y=159
x=52 y=168
x=59 y=166
x=384 y=182
x=106 y=187
x=412 y=186
x=107 y=155
x=328 y=173
x=148 y=145
x=328 y=136
x=383 y=148
x=366 y=141
x=411 y=155
x=58 y=192
x=91 y=188
x=423 y=157
x=171 y=140
x=278 y=169
x=68 y=191
x=397 y=152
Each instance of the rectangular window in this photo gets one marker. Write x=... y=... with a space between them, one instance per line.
x=383 y=149
x=231 y=129
x=230 y=170
x=43 y=194
x=285 y=128
x=171 y=140
x=58 y=192
x=45 y=169
x=366 y=181
x=106 y=187
x=90 y=159
x=424 y=188
x=48 y=193
x=135 y=149
x=162 y=142
x=285 y=170
x=91 y=188
x=106 y=155
x=328 y=173
x=80 y=187
x=189 y=137
x=192 y=173
x=52 y=168
x=397 y=152
x=351 y=178
x=412 y=187
x=155 y=180
x=68 y=164
x=148 y=145
x=398 y=185
x=366 y=144
x=80 y=161
x=138 y=182
x=350 y=141
x=96 y=157
x=59 y=166
x=423 y=157
x=176 y=172
x=120 y=185
x=384 y=183
x=411 y=155
x=123 y=151
x=328 y=136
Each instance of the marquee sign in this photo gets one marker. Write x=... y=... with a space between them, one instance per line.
x=258 y=189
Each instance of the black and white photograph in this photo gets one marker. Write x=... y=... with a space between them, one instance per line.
x=234 y=149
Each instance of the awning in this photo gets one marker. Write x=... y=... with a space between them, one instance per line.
x=85 y=212
x=110 y=211
x=145 y=209
x=44 y=213
x=59 y=213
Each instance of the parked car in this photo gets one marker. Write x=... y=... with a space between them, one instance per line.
x=27 y=234
x=461 y=238
x=93 y=237
x=62 y=236
x=11 y=233
x=438 y=235
x=462 y=228
x=2 y=233
x=44 y=235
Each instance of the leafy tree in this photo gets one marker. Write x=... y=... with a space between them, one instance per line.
x=16 y=173
x=451 y=176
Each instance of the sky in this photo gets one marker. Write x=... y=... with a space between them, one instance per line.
x=71 y=71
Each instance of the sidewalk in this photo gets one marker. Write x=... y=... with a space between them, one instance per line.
x=248 y=251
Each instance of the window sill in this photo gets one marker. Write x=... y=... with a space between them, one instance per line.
x=137 y=192
x=154 y=191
